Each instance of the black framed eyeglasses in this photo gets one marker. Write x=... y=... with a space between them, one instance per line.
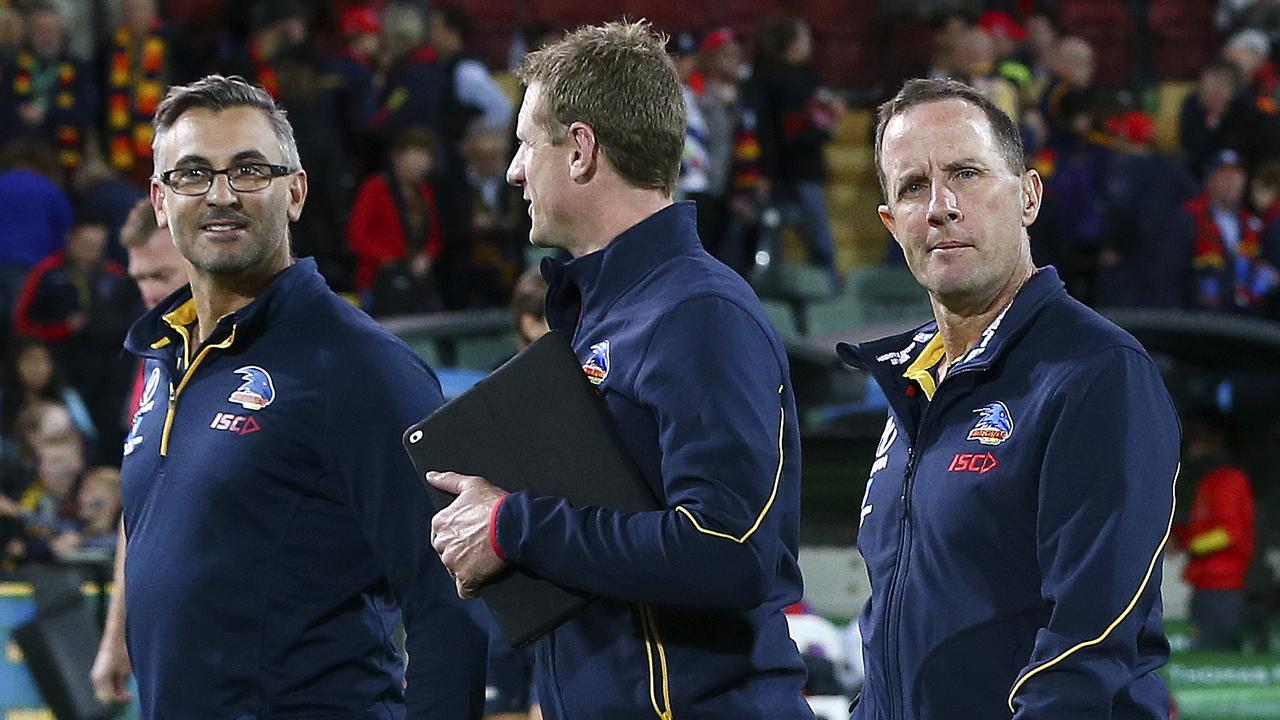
x=244 y=177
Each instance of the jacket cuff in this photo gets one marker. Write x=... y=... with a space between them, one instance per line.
x=493 y=529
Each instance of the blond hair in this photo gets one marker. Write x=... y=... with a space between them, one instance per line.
x=618 y=79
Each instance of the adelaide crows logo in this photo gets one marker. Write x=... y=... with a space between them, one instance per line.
x=597 y=366
x=257 y=391
x=994 y=427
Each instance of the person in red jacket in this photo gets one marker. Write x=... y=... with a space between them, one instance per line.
x=394 y=227
x=1218 y=536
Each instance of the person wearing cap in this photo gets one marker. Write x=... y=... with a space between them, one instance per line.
x=1230 y=273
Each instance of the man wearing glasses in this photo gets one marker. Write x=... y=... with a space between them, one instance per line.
x=273 y=521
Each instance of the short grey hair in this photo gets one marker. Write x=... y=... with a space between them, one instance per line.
x=215 y=92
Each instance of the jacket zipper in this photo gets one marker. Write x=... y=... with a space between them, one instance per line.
x=894 y=616
x=890 y=640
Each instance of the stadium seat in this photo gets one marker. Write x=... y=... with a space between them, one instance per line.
x=889 y=294
x=874 y=294
x=782 y=315
x=484 y=353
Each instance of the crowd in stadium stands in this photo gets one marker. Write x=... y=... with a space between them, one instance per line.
x=406 y=136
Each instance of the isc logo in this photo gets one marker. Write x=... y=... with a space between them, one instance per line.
x=981 y=463
x=238 y=424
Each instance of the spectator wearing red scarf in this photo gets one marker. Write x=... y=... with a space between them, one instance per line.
x=1230 y=273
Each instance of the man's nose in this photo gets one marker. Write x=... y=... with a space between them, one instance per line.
x=515 y=171
x=943 y=206
x=220 y=192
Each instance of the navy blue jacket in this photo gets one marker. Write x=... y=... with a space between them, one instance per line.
x=1015 y=520
x=690 y=623
x=275 y=526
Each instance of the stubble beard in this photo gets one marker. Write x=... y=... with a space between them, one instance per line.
x=254 y=251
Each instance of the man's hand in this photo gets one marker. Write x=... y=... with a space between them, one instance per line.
x=460 y=532
x=111 y=671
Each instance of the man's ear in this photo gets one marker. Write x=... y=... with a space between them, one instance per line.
x=890 y=223
x=157 y=204
x=584 y=160
x=297 y=194
x=1032 y=193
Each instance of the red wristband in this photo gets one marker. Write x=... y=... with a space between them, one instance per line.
x=493 y=529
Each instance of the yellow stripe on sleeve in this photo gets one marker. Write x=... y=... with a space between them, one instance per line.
x=1155 y=557
x=773 y=495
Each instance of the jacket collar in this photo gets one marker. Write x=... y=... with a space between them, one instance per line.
x=164 y=326
x=588 y=285
x=897 y=359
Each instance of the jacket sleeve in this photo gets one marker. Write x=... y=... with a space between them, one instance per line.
x=1106 y=491
x=384 y=390
x=713 y=385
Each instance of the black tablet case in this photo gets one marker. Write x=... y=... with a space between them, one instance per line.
x=534 y=424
